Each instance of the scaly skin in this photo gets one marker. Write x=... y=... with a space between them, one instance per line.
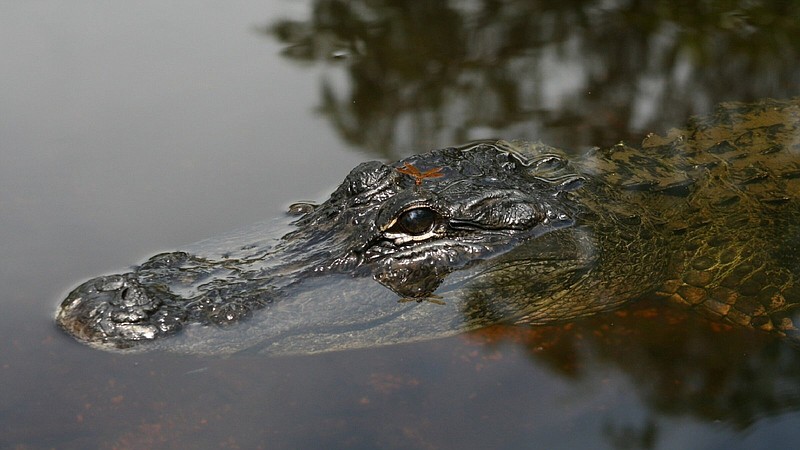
x=716 y=214
x=707 y=216
x=736 y=254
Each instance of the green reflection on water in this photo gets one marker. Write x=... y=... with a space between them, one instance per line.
x=419 y=75
x=407 y=76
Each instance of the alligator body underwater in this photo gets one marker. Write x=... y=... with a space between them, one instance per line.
x=706 y=216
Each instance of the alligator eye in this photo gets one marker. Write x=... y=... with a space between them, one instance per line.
x=415 y=221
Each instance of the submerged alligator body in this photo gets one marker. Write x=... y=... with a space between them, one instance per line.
x=707 y=216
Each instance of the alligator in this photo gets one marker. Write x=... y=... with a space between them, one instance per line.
x=706 y=216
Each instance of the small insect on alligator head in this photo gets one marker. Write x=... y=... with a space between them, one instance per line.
x=410 y=224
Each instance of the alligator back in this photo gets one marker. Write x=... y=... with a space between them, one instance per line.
x=726 y=190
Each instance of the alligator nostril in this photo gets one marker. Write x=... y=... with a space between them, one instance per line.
x=124 y=293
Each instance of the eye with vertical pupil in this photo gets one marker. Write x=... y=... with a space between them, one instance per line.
x=415 y=221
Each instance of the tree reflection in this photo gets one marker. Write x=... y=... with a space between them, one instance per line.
x=420 y=75
x=680 y=364
x=572 y=73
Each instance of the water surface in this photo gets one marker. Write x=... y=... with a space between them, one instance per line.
x=128 y=129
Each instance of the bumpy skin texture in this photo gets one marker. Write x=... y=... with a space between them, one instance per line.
x=738 y=256
x=707 y=216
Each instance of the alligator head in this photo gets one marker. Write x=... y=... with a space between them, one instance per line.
x=408 y=226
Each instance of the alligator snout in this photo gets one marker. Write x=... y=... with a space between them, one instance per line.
x=116 y=311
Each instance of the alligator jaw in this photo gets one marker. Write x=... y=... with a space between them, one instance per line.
x=408 y=230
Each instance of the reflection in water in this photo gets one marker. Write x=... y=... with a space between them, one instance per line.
x=421 y=75
x=681 y=364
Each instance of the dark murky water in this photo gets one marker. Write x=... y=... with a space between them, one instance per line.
x=126 y=129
